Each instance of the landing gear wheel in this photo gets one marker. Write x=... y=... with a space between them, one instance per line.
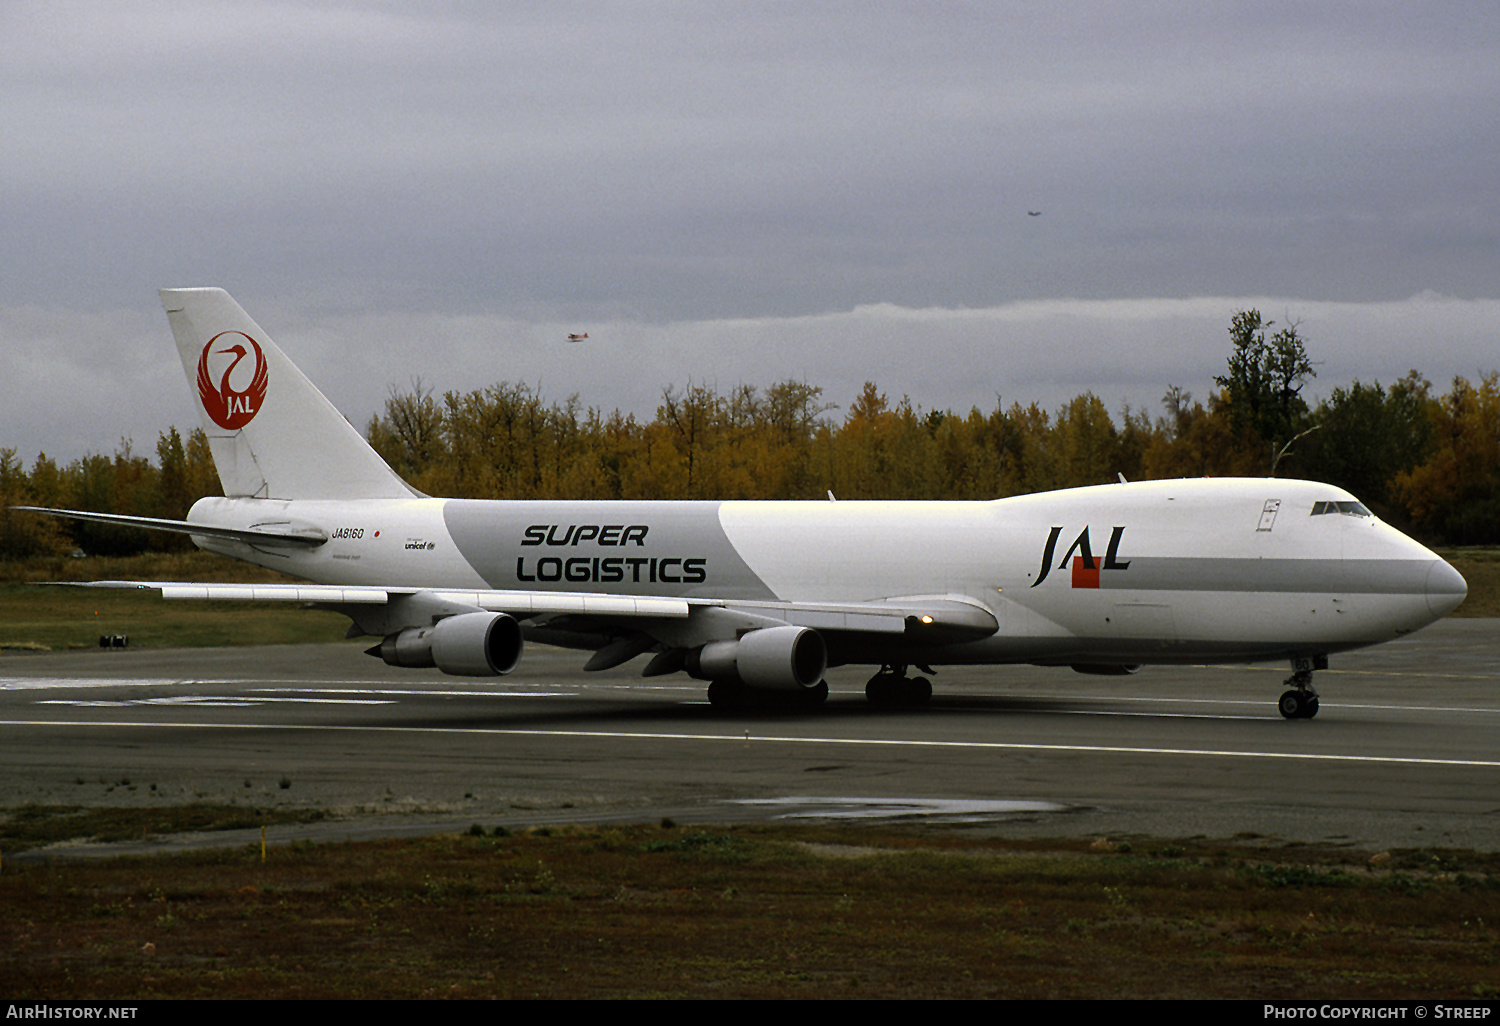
x=881 y=689
x=915 y=692
x=1298 y=705
x=1301 y=702
x=813 y=697
x=726 y=695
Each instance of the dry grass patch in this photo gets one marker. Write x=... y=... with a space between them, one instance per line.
x=753 y=912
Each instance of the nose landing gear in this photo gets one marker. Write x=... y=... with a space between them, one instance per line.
x=1301 y=702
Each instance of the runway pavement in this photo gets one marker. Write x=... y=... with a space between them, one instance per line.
x=1404 y=753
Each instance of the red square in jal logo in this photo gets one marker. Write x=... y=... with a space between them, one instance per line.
x=1083 y=577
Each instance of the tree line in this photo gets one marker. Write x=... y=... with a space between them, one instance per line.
x=1427 y=462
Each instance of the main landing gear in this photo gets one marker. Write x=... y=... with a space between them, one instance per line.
x=1301 y=702
x=892 y=687
x=733 y=696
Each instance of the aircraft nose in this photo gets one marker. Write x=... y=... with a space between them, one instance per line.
x=1446 y=588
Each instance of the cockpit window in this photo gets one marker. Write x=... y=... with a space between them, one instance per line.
x=1349 y=509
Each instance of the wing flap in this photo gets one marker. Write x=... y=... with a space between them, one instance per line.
x=534 y=603
x=823 y=619
x=276 y=593
x=937 y=617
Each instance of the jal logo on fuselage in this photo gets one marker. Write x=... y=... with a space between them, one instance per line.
x=1086 y=568
x=229 y=407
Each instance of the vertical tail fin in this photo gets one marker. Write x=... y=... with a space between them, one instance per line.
x=273 y=434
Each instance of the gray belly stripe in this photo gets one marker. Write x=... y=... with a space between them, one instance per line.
x=1185 y=573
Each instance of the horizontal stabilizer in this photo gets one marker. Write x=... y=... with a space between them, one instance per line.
x=282 y=533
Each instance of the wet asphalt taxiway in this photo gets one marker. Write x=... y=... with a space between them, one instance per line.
x=1405 y=751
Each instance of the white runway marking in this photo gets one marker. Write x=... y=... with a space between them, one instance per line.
x=1256 y=703
x=956 y=810
x=745 y=738
x=37 y=683
x=210 y=701
x=516 y=690
x=511 y=693
x=371 y=688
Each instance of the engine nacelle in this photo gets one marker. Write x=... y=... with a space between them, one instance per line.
x=467 y=645
x=771 y=659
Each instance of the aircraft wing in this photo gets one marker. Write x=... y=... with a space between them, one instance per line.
x=933 y=613
x=524 y=603
x=193 y=590
x=618 y=627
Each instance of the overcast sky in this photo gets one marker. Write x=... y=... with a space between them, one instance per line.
x=739 y=193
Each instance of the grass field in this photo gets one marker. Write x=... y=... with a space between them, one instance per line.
x=754 y=912
x=37 y=618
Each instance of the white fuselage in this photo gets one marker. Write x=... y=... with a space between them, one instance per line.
x=1147 y=572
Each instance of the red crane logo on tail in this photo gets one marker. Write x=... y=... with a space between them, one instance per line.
x=228 y=407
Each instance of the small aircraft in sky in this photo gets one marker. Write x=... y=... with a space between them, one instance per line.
x=578 y=338
x=761 y=598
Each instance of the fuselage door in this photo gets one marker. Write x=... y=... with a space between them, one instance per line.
x=1268 y=514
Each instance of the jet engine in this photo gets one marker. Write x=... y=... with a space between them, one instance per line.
x=770 y=659
x=466 y=645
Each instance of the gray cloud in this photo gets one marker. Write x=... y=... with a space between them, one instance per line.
x=705 y=182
